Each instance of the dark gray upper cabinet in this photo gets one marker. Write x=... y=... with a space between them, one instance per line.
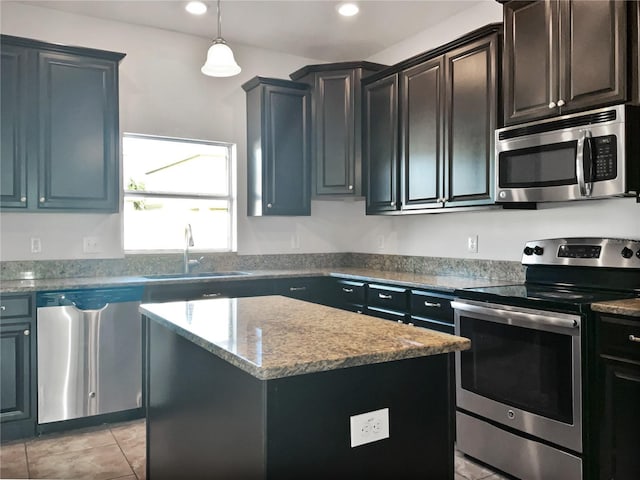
x=471 y=113
x=563 y=56
x=428 y=127
x=278 y=147
x=422 y=134
x=336 y=125
x=380 y=144
x=13 y=156
x=60 y=131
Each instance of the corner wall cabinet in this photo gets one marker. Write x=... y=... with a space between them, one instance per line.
x=428 y=128
x=60 y=132
x=278 y=147
x=563 y=56
x=336 y=125
x=18 y=387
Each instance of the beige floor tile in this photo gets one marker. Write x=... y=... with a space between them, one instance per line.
x=13 y=461
x=470 y=469
x=68 y=442
x=98 y=463
x=132 y=440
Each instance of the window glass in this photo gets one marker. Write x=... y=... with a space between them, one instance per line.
x=171 y=183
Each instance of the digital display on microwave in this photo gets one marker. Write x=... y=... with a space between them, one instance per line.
x=540 y=166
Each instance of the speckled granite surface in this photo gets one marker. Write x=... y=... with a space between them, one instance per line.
x=136 y=265
x=630 y=307
x=273 y=337
x=446 y=283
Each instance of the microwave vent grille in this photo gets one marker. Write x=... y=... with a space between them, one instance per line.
x=576 y=121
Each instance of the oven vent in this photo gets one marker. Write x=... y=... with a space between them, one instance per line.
x=600 y=117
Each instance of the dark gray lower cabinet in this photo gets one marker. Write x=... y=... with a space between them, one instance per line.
x=17 y=366
x=618 y=393
x=60 y=131
x=278 y=147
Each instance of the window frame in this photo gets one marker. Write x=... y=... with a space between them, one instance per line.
x=231 y=197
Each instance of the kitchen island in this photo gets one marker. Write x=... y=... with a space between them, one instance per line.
x=266 y=387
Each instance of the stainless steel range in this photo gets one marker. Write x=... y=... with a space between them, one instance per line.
x=521 y=389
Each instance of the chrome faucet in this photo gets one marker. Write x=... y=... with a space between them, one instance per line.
x=188 y=242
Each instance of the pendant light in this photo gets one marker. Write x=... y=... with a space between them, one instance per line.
x=220 y=61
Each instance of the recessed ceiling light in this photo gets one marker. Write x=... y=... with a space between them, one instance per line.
x=196 y=8
x=348 y=9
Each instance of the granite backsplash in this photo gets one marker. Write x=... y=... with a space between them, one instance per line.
x=147 y=264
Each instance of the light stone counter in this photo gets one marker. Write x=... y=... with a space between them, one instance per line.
x=447 y=283
x=274 y=337
x=629 y=307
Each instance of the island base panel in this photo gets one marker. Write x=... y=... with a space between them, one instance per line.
x=209 y=419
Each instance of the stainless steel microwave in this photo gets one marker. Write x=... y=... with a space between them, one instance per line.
x=585 y=155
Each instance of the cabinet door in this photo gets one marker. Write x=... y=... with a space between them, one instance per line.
x=286 y=179
x=471 y=108
x=15 y=352
x=335 y=155
x=78 y=143
x=593 y=53
x=421 y=127
x=530 y=60
x=13 y=156
x=620 y=423
x=380 y=144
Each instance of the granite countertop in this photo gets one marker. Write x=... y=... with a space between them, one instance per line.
x=273 y=337
x=447 y=283
x=629 y=306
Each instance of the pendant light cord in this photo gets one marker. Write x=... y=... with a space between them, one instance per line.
x=219 y=21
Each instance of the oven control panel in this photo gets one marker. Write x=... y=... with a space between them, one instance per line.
x=596 y=252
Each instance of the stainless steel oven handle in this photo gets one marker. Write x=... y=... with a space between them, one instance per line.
x=585 y=186
x=521 y=317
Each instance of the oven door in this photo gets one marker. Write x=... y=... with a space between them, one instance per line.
x=523 y=370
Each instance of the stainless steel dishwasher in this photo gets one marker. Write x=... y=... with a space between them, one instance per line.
x=89 y=352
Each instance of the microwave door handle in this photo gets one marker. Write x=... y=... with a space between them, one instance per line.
x=583 y=163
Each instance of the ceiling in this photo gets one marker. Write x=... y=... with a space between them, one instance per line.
x=308 y=28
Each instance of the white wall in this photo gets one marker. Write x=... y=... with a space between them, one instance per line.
x=162 y=92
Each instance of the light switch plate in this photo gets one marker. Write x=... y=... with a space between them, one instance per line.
x=369 y=427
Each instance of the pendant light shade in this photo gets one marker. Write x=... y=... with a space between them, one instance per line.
x=220 y=61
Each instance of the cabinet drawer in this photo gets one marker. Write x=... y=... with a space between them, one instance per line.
x=12 y=306
x=620 y=337
x=431 y=305
x=347 y=292
x=386 y=297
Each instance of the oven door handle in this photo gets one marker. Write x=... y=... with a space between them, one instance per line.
x=527 y=318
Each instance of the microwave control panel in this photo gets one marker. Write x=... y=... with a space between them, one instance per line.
x=604 y=162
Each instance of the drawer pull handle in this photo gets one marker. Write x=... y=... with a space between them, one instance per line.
x=26 y=333
x=2 y=308
x=431 y=304
x=384 y=297
x=297 y=289
x=211 y=295
x=633 y=338
x=347 y=290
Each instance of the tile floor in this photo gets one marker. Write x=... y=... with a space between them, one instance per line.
x=117 y=451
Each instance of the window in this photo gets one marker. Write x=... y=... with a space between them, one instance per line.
x=170 y=183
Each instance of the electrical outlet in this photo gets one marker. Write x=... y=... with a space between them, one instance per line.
x=380 y=242
x=36 y=245
x=472 y=244
x=91 y=245
x=369 y=427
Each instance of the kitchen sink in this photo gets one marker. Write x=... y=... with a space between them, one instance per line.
x=169 y=276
